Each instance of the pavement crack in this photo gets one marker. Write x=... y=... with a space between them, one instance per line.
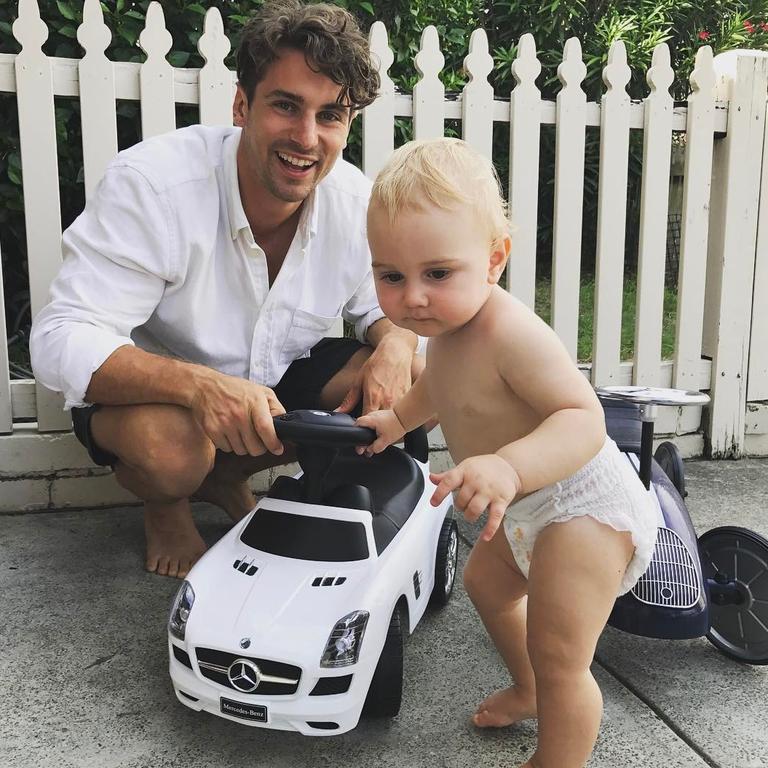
x=102 y=660
x=663 y=716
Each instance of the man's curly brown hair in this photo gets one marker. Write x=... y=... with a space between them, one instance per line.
x=329 y=37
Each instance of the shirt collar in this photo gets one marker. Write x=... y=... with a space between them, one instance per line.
x=237 y=218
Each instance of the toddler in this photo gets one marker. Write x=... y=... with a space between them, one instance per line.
x=569 y=524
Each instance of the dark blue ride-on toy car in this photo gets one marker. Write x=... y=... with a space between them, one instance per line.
x=714 y=586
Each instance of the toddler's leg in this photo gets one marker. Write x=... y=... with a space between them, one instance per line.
x=576 y=570
x=497 y=588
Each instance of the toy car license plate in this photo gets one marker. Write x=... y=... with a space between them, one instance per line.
x=246 y=711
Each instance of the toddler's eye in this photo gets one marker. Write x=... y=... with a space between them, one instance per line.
x=391 y=277
x=438 y=274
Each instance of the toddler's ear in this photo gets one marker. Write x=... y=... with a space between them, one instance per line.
x=498 y=259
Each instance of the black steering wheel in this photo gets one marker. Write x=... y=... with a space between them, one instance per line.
x=308 y=427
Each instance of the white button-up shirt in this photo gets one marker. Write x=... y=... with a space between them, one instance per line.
x=163 y=257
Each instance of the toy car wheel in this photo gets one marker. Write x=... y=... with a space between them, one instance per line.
x=668 y=458
x=446 y=563
x=738 y=628
x=386 y=689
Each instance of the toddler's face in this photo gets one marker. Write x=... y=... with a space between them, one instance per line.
x=433 y=268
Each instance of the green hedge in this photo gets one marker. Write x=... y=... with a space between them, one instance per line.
x=641 y=24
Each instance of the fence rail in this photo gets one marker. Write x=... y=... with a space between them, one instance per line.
x=97 y=82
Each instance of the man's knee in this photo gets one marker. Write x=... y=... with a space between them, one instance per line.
x=164 y=446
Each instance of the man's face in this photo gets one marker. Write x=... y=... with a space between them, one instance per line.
x=293 y=130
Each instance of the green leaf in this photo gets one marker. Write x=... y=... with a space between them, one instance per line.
x=68 y=31
x=195 y=8
x=178 y=58
x=66 y=10
x=367 y=7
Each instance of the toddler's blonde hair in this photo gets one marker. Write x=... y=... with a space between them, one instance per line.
x=447 y=173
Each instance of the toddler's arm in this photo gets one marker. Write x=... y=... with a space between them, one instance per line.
x=411 y=411
x=571 y=424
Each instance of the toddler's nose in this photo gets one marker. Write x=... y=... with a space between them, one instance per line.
x=416 y=296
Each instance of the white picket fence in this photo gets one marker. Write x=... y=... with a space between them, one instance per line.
x=721 y=336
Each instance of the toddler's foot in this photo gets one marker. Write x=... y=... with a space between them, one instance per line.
x=173 y=542
x=505 y=707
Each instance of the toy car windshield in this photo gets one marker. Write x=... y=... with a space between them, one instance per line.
x=302 y=537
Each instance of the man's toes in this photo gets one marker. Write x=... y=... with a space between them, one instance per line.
x=162 y=566
x=173 y=568
x=151 y=563
x=184 y=567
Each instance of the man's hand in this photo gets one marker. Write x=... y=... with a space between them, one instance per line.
x=236 y=414
x=388 y=430
x=485 y=482
x=384 y=378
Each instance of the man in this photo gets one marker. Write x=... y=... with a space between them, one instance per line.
x=200 y=281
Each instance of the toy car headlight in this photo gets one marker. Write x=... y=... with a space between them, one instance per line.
x=182 y=605
x=343 y=646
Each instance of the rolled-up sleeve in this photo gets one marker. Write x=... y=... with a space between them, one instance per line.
x=118 y=257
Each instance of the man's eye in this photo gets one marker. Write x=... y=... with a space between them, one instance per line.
x=330 y=117
x=438 y=274
x=284 y=106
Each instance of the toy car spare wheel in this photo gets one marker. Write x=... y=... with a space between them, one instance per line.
x=386 y=690
x=737 y=559
x=668 y=458
x=446 y=562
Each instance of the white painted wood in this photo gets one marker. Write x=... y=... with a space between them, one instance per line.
x=477 y=101
x=186 y=90
x=569 y=196
x=216 y=88
x=611 y=218
x=42 y=217
x=379 y=117
x=23 y=399
x=429 y=91
x=158 y=108
x=732 y=244
x=654 y=205
x=6 y=414
x=98 y=116
x=757 y=377
x=524 y=133
x=695 y=221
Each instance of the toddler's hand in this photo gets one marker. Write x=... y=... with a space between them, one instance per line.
x=486 y=482
x=388 y=430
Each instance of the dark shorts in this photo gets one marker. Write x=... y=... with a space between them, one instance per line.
x=300 y=387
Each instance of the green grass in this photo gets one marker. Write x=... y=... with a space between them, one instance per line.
x=587 y=312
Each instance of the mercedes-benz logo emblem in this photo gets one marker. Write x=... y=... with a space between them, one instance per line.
x=244 y=675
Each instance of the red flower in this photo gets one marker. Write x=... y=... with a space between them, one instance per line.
x=704 y=35
x=749 y=26
x=764 y=26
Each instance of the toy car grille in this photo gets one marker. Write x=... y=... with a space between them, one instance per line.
x=278 y=678
x=671 y=579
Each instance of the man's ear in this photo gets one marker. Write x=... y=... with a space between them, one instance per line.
x=498 y=258
x=240 y=107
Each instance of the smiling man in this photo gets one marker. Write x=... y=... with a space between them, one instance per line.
x=203 y=277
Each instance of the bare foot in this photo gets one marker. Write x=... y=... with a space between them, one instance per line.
x=173 y=542
x=504 y=708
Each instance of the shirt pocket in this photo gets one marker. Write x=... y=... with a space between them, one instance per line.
x=306 y=330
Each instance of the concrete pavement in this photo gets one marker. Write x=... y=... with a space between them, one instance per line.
x=84 y=682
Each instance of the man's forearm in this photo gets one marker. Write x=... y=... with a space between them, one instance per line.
x=131 y=376
x=384 y=328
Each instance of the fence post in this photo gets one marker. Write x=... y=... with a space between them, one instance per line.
x=757 y=379
x=6 y=416
x=379 y=117
x=743 y=80
x=39 y=163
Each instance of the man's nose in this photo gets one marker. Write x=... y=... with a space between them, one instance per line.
x=305 y=132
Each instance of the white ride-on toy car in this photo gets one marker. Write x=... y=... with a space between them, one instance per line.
x=295 y=619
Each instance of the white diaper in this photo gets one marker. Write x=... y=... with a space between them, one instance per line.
x=608 y=489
